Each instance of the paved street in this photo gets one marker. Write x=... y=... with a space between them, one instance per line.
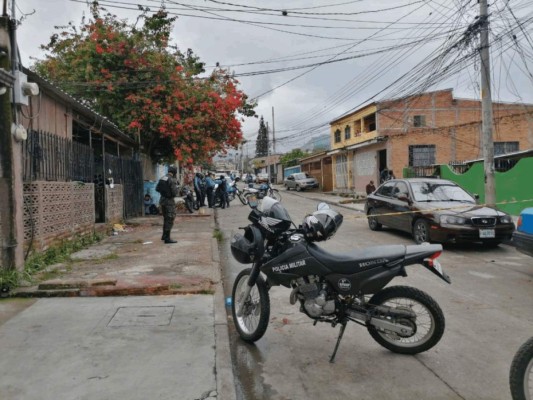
x=488 y=316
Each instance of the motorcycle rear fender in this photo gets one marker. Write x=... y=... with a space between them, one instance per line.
x=426 y=254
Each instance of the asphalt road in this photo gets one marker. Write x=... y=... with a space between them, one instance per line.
x=488 y=309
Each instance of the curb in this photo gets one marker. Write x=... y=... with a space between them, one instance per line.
x=223 y=364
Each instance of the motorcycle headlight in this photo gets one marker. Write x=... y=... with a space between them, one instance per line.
x=452 y=219
x=506 y=219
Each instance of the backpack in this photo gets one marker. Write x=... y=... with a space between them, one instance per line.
x=163 y=187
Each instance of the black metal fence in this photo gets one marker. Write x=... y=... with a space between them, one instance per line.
x=424 y=171
x=49 y=157
x=128 y=173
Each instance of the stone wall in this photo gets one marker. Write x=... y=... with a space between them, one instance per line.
x=114 y=203
x=55 y=211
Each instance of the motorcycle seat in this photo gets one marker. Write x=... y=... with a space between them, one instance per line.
x=356 y=260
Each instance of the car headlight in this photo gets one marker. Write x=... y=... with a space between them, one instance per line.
x=506 y=219
x=452 y=219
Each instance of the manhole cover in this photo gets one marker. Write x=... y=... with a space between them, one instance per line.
x=142 y=316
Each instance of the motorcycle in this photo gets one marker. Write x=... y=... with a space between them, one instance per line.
x=234 y=191
x=521 y=373
x=264 y=190
x=190 y=203
x=330 y=287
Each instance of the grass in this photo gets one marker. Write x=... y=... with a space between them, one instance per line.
x=37 y=262
x=218 y=234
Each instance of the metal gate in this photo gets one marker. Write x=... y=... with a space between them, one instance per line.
x=128 y=173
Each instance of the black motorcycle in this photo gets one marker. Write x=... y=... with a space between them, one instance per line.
x=331 y=287
x=262 y=191
x=521 y=373
x=188 y=197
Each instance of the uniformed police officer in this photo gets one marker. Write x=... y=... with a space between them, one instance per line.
x=168 y=187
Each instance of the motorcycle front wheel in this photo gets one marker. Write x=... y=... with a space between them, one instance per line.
x=274 y=193
x=428 y=325
x=521 y=374
x=190 y=205
x=243 y=200
x=253 y=322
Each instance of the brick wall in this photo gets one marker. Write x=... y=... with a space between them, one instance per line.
x=55 y=211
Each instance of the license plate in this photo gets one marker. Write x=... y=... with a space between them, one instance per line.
x=487 y=233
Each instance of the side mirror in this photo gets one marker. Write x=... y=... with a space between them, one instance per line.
x=476 y=196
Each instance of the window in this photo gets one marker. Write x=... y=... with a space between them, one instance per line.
x=347 y=133
x=401 y=190
x=419 y=121
x=337 y=136
x=421 y=155
x=386 y=189
x=505 y=147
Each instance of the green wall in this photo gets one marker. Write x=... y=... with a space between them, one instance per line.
x=514 y=186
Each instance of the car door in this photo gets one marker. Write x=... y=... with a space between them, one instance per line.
x=399 y=207
x=382 y=203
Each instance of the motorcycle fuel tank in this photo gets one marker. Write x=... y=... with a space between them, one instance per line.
x=293 y=263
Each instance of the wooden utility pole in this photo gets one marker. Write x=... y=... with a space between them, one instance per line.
x=486 y=106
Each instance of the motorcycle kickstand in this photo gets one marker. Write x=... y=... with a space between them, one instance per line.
x=341 y=332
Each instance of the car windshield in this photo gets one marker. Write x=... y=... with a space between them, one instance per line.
x=433 y=191
x=299 y=176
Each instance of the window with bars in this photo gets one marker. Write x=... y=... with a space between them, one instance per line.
x=421 y=155
x=505 y=147
x=347 y=133
x=419 y=121
x=337 y=136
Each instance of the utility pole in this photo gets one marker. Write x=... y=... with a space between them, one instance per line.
x=10 y=253
x=486 y=106
x=273 y=133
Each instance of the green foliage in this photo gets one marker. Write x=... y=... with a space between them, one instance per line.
x=261 y=147
x=132 y=74
x=218 y=235
x=38 y=261
x=292 y=158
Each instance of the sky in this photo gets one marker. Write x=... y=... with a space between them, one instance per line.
x=311 y=61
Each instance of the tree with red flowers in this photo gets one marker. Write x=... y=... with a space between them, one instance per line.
x=147 y=86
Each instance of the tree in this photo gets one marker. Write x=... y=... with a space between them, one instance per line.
x=261 y=146
x=292 y=158
x=148 y=87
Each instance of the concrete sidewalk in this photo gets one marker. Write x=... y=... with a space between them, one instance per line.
x=113 y=340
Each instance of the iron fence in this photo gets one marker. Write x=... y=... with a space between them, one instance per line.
x=422 y=171
x=128 y=173
x=49 y=157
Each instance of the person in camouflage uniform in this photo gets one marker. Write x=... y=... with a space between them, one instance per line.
x=168 y=188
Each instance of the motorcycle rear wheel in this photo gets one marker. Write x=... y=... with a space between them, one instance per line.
x=428 y=324
x=253 y=323
x=521 y=374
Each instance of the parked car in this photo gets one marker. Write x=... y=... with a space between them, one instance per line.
x=523 y=236
x=300 y=181
x=262 y=177
x=436 y=210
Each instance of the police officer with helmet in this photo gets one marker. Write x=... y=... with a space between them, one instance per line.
x=168 y=188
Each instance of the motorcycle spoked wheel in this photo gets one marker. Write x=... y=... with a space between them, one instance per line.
x=253 y=323
x=428 y=325
x=521 y=373
x=243 y=199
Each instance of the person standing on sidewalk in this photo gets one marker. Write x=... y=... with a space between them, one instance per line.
x=168 y=188
x=210 y=186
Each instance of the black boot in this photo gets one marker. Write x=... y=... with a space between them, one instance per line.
x=168 y=239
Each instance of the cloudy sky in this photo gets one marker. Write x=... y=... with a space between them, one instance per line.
x=313 y=60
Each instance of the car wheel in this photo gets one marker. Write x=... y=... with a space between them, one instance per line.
x=373 y=223
x=421 y=231
x=298 y=188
